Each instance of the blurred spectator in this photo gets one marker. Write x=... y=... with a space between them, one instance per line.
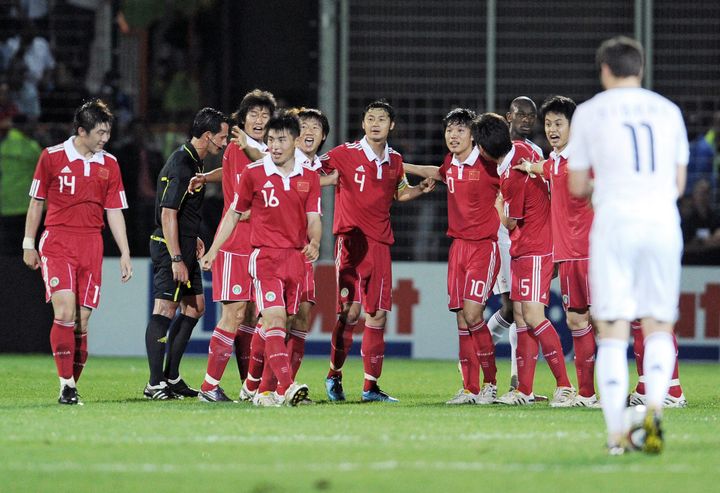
x=700 y=224
x=120 y=102
x=18 y=156
x=700 y=162
x=140 y=165
x=712 y=137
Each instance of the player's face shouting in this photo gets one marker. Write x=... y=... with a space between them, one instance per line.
x=311 y=136
x=281 y=145
x=557 y=130
x=377 y=124
x=255 y=121
x=458 y=138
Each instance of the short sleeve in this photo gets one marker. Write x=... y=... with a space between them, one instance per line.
x=683 y=147
x=329 y=160
x=312 y=203
x=513 y=190
x=580 y=158
x=176 y=183
x=41 y=178
x=243 y=193
x=115 y=197
x=547 y=168
x=442 y=171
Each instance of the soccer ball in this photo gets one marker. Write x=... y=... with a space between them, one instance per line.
x=634 y=430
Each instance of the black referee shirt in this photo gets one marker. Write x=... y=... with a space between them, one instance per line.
x=172 y=192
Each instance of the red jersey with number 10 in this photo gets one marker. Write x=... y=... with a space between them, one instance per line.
x=527 y=200
x=472 y=189
x=365 y=190
x=279 y=204
x=77 y=190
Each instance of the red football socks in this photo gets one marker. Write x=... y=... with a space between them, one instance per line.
x=340 y=344
x=485 y=349
x=469 y=364
x=552 y=350
x=219 y=352
x=373 y=352
x=526 y=355
x=81 y=354
x=584 y=344
x=62 y=342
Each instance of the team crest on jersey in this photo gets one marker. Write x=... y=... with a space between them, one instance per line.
x=474 y=175
x=54 y=282
x=103 y=173
x=566 y=299
x=270 y=296
x=344 y=292
x=237 y=289
x=303 y=186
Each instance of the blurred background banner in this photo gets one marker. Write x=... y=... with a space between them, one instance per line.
x=157 y=62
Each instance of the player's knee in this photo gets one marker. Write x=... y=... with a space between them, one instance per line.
x=377 y=319
x=350 y=313
x=473 y=316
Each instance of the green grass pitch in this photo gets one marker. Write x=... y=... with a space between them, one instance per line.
x=118 y=441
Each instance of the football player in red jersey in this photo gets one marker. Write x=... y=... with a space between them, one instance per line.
x=525 y=214
x=283 y=198
x=473 y=185
x=571 y=219
x=79 y=181
x=370 y=177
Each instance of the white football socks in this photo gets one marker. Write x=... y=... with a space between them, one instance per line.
x=611 y=370
x=658 y=365
x=513 y=349
x=497 y=326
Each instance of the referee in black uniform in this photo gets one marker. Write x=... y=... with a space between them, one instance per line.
x=175 y=248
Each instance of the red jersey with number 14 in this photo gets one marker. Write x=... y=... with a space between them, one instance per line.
x=365 y=190
x=472 y=189
x=279 y=204
x=527 y=200
x=77 y=190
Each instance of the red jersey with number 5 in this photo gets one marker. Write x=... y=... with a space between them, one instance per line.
x=366 y=187
x=278 y=204
x=77 y=190
x=527 y=200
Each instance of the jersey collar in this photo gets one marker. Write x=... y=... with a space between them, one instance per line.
x=272 y=169
x=73 y=155
x=505 y=164
x=370 y=154
x=565 y=154
x=469 y=161
x=312 y=164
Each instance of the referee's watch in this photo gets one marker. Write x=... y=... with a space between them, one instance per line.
x=176 y=258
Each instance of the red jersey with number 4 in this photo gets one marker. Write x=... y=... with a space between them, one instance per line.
x=77 y=190
x=472 y=189
x=234 y=163
x=571 y=217
x=527 y=200
x=279 y=204
x=365 y=190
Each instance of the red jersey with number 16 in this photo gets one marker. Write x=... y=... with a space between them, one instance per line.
x=279 y=204
x=527 y=200
x=365 y=190
x=77 y=190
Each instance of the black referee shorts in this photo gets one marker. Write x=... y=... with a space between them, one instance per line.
x=164 y=286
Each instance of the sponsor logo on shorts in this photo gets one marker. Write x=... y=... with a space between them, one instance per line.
x=270 y=296
x=344 y=292
x=237 y=289
x=54 y=282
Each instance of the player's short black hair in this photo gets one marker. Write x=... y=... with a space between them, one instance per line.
x=207 y=120
x=382 y=104
x=561 y=105
x=313 y=113
x=256 y=97
x=492 y=133
x=91 y=114
x=284 y=120
x=459 y=116
x=623 y=55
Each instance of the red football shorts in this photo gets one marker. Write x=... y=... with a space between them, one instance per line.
x=364 y=272
x=72 y=262
x=472 y=269
x=308 y=285
x=231 y=280
x=277 y=278
x=531 y=278
x=575 y=284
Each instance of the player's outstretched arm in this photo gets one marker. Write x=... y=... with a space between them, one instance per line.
x=411 y=193
x=227 y=225
x=329 y=180
x=240 y=139
x=200 y=179
x=32 y=223
x=532 y=169
x=506 y=221
x=314 y=234
x=423 y=171
x=116 y=223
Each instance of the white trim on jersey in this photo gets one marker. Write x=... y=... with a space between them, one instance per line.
x=34 y=189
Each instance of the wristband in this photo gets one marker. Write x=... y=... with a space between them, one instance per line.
x=28 y=243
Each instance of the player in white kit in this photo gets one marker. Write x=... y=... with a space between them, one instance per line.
x=635 y=143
